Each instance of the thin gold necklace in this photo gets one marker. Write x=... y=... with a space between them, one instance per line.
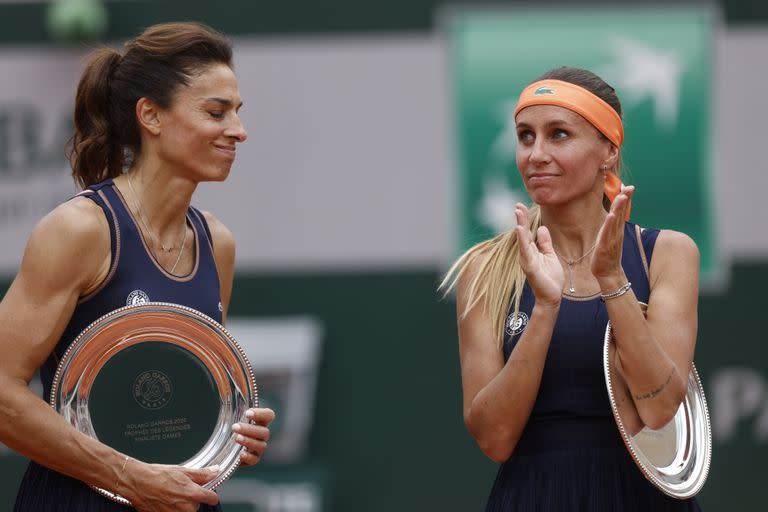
x=156 y=239
x=571 y=263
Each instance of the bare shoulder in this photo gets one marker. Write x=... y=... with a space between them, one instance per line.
x=224 y=254
x=470 y=265
x=74 y=224
x=674 y=244
x=674 y=253
x=221 y=234
x=73 y=239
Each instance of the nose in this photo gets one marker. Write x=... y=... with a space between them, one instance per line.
x=539 y=153
x=237 y=131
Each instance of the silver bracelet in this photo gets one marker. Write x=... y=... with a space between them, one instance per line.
x=618 y=293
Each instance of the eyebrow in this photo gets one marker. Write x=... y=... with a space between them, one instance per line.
x=224 y=101
x=548 y=124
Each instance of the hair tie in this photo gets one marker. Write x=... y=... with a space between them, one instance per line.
x=612 y=188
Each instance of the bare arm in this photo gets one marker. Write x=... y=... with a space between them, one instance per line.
x=56 y=267
x=224 y=253
x=499 y=397
x=653 y=354
x=66 y=257
x=252 y=436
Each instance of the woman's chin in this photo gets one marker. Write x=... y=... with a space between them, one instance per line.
x=216 y=175
x=544 y=197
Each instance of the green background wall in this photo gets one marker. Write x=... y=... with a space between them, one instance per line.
x=388 y=421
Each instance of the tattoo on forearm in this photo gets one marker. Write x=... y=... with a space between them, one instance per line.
x=655 y=392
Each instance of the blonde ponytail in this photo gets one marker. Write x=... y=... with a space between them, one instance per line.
x=499 y=278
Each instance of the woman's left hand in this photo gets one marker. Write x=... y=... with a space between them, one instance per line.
x=606 y=259
x=253 y=436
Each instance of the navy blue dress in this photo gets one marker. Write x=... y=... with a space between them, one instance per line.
x=570 y=456
x=135 y=276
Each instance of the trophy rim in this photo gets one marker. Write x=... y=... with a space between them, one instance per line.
x=697 y=435
x=184 y=312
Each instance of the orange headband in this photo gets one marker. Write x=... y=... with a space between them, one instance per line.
x=567 y=95
x=592 y=108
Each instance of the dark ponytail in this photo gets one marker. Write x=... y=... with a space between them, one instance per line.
x=154 y=66
x=93 y=153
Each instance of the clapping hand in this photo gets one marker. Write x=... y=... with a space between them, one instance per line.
x=539 y=262
x=606 y=259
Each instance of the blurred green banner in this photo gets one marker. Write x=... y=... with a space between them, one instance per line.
x=659 y=61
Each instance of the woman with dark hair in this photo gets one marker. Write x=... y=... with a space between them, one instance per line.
x=533 y=304
x=151 y=123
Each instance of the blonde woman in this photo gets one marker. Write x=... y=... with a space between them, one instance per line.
x=533 y=305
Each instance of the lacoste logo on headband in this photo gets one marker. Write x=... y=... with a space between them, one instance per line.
x=543 y=90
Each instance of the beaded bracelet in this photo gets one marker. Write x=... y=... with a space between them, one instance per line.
x=618 y=293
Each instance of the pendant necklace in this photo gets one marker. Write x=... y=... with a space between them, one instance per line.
x=139 y=211
x=571 y=263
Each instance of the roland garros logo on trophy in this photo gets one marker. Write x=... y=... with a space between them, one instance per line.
x=152 y=389
x=158 y=382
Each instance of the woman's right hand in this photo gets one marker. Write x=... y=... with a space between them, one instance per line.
x=166 y=488
x=539 y=261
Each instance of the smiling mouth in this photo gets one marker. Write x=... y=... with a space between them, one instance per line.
x=226 y=150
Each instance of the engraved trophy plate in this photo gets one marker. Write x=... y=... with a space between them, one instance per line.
x=676 y=457
x=160 y=382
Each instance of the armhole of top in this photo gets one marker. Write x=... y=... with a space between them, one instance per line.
x=644 y=255
x=204 y=223
x=646 y=240
x=101 y=200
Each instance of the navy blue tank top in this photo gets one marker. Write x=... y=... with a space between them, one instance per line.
x=135 y=276
x=570 y=456
x=572 y=382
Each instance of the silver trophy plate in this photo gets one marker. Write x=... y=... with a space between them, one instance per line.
x=676 y=457
x=160 y=382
